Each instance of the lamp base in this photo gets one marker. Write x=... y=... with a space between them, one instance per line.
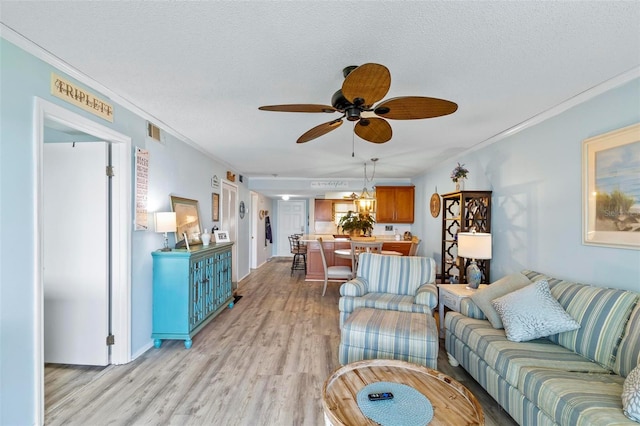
x=165 y=249
x=474 y=275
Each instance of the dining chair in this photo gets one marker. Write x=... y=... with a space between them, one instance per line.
x=333 y=273
x=415 y=243
x=358 y=247
x=299 y=252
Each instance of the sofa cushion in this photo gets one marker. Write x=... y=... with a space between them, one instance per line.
x=575 y=398
x=509 y=358
x=631 y=395
x=601 y=312
x=628 y=354
x=505 y=285
x=396 y=274
x=532 y=312
x=469 y=309
x=393 y=302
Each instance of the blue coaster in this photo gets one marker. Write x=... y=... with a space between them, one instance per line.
x=407 y=408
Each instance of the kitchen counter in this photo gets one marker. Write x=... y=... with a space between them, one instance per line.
x=329 y=237
x=315 y=271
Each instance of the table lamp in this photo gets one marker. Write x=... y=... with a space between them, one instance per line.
x=165 y=222
x=474 y=245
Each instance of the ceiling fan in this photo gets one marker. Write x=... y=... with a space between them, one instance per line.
x=363 y=86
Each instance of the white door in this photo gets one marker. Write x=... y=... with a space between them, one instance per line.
x=292 y=218
x=229 y=223
x=75 y=239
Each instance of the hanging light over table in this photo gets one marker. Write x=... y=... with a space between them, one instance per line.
x=366 y=202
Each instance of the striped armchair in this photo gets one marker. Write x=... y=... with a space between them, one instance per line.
x=397 y=283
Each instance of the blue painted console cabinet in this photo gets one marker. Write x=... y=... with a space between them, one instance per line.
x=189 y=289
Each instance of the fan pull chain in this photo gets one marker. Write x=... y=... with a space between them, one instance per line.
x=353 y=141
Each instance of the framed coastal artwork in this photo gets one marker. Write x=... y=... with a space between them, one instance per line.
x=187 y=220
x=611 y=189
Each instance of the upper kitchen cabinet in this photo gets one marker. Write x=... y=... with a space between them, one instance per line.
x=324 y=210
x=395 y=204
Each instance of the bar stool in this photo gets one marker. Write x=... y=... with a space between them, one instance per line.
x=299 y=252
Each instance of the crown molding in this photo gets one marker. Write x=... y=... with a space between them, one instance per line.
x=44 y=55
x=576 y=100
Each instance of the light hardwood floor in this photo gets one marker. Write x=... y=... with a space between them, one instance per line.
x=261 y=363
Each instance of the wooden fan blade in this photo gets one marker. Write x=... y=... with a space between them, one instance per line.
x=415 y=107
x=298 y=108
x=374 y=130
x=320 y=130
x=369 y=82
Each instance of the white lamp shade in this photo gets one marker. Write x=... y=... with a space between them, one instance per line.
x=474 y=245
x=165 y=222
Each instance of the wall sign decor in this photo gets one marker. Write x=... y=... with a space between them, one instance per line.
x=231 y=177
x=215 y=182
x=215 y=207
x=332 y=184
x=142 y=189
x=434 y=203
x=65 y=90
x=187 y=220
x=611 y=189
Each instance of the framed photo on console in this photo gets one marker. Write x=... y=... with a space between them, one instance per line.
x=611 y=189
x=221 y=236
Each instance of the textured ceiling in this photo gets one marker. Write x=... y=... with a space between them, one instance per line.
x=204 y=68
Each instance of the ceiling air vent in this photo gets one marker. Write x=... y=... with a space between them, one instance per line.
x=153 y=132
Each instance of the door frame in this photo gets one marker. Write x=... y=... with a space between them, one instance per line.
x=253 y=214
x=233 y=213
x=120 y=238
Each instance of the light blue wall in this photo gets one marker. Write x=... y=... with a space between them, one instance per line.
x=175 y=167
x=535 y=176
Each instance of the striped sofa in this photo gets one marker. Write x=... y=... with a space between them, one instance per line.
x=397 y=283
x=572 y=378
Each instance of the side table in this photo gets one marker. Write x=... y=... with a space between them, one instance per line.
x=450 y=296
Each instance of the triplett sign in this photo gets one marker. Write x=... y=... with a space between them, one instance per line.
x=66 y=90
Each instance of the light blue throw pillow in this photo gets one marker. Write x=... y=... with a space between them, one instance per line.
x=532 y=312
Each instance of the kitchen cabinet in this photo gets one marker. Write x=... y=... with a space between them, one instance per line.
x=395 y=204
x=399 y=246
x=315 y=271
x=324 y=210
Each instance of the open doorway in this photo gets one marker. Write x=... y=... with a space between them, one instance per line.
x=48 y=115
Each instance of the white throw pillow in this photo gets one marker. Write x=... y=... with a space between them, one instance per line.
x=504 y=285
x=631 y=395
x=532 y=312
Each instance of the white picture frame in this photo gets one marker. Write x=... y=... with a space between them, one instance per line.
x=609 y=173
x=221 y=236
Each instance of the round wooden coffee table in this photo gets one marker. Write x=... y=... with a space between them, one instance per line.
x=453 y=404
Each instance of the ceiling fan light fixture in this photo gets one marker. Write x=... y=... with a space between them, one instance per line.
x=353 y=114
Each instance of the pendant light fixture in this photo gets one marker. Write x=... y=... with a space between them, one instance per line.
x=366 y=202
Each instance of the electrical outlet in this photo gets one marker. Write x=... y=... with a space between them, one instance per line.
x=388 y=227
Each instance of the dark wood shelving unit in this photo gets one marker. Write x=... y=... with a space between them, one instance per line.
x=461 y=211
